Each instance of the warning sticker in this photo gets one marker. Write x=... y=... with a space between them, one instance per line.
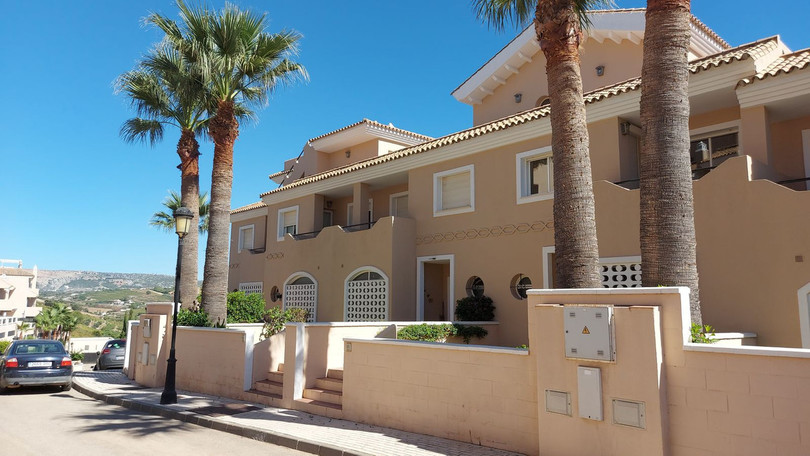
x=585 y=330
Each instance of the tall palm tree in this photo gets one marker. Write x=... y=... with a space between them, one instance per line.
x=165 y=220
x=559 y=25
x=166 y=90
x=241 y=64
x=668 y=243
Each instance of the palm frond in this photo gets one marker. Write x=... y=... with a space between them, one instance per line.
x=500 y=14
x=165 y=221
x=142 y=130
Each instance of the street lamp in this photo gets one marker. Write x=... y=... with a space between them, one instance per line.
x=182 y=222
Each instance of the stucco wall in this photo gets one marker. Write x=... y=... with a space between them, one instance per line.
x=211 y=360
x=621 y=61
x=480 y=395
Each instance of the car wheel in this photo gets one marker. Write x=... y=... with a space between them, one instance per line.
x=95 y=367
x=3 y=389
x=67 y=387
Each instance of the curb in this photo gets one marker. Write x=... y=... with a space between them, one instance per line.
x=262 y=435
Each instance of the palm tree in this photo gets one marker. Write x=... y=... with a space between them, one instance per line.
x=165 y=220
x=43 y=323
x=241 y=64
x=668 y=244
x=559 y=25
x=166 y=90
x=22 y=328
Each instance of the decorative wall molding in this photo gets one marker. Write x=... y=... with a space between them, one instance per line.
x=492 y=231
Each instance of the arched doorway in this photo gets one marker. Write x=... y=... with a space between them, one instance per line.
x=301 y=292
x=366 y=295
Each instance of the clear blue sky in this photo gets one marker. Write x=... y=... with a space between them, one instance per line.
x=74 y=196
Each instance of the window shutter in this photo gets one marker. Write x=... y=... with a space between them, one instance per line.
x=456 y=191
x=289 y=220
x=247 y=239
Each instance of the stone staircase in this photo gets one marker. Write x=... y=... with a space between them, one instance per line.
x=326 y=398
x=269 y=391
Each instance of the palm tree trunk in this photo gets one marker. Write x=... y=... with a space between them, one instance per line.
x=577 y=250
x=189 y=151
x=668 y=243
x=224 y=129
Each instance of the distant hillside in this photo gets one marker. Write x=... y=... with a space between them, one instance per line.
x=93 y=281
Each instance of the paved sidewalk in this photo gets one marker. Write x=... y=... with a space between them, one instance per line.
x=291 y=428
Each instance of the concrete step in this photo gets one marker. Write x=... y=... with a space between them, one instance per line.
x=260 y=397
x=276 y=376
x=319 y=408
x=329 y=384
x=335 y=373
x=269 y=386
x=324 y=395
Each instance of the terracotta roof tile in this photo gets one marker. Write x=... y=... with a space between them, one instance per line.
x=743 y=52
x=249 y=207
x=787 y=63
x=376 y=124
x=750 y=50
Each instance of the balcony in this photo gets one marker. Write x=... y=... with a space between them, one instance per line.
x=346 y=229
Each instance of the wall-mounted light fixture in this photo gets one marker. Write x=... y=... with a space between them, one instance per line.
x=600 y=70
x=518 y=97
x=348 y=153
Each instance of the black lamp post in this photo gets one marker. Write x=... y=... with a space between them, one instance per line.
x=182 y=222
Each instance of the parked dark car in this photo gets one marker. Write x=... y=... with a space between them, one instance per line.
x=35 y=362
x=112 y=355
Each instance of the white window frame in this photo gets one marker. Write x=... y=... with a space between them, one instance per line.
x=393 y=197
x=241 y=242
x=437 y=191
x=522 y=178
x=280 y=234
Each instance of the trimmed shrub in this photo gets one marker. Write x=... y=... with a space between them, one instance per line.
x=188 y=317
x=475 y=309
x=468 y=332
x=245 y=308
x=4 y=345
x=426 y=332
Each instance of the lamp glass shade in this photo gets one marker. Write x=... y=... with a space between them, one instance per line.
x=182 y=221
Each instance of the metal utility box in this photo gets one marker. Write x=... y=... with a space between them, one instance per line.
x=589 y=387
x=589 y=332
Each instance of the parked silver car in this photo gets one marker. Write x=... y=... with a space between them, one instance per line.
x=112 y=355
x=35 y=362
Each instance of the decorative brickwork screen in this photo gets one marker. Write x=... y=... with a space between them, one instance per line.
x=367 y=298
x=251 y=287
x=621 y=275
x=302 y=296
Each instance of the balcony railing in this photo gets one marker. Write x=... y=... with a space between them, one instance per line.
x=347 y=229
x=633 y=184
x=796 y=184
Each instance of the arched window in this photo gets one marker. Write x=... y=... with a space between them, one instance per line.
x=301 y=292
x=542 y=101
x=366 y=295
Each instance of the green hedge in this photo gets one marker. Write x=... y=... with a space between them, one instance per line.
x=475 y=309
x=245 y=308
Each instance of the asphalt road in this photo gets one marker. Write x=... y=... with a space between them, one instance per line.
x=46 y=421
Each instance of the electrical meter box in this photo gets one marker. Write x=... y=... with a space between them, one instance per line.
x=589 y=332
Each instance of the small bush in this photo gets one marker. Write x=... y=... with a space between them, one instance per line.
x=475 y=309
x=76 y=356
x=245 y=308
x=426 y=332
x=468 y=332
x=188 y=317
x=275 y=319
x=4 y=345
x=702 y=334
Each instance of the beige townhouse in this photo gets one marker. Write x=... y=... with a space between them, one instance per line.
x=372 y=222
